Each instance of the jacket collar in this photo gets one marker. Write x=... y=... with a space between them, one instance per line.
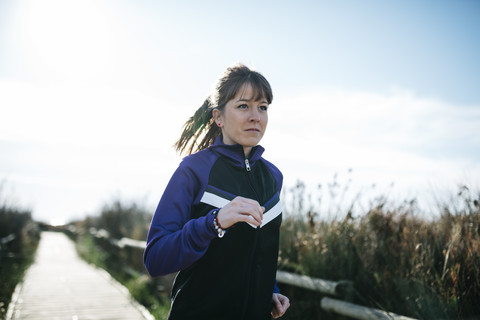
x=235 y=152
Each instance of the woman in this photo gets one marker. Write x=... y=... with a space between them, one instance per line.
x=218 y=220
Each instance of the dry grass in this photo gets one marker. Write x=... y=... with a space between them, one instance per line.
x=398 y=261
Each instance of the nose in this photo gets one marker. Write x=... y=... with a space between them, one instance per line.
x=254 y=115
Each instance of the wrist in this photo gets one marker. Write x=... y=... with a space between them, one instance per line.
x=216 y=224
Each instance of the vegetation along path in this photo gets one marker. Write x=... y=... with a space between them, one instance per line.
x=59 y=285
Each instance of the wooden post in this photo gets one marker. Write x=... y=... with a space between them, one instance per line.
x=323 y=286
x=358 y=312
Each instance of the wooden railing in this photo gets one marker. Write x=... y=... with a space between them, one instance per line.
x=358 y=312
x=7 y=239
x=4 y=244
x=337 y=289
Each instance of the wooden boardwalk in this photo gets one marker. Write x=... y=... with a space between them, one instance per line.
x=59 y=285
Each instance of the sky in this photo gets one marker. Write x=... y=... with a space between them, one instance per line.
x=380 y=96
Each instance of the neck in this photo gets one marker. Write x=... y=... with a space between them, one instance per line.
x=247 y=150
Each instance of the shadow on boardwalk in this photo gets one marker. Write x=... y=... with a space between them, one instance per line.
x=59 y=285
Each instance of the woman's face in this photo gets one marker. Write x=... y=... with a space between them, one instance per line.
x=243 y=120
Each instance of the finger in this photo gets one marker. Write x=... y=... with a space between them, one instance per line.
x=250 y=219
x=245 y=200
x=252 y=211
x=257 y=217
x=238 y=208
x=274 y=312
x=283 y=304
x=284 y=301
x=277 y=306
x=249 y=202
x=258 y=213
x=280 y=309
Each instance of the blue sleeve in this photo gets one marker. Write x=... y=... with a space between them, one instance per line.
x=175 y=241
x=275 y=288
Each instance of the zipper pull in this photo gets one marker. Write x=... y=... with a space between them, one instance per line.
x=247 y=165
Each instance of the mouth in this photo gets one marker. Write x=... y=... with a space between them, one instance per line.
x=253 y=130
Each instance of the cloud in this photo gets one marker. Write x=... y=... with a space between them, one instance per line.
x=85 y=115
x=397 y=137
x=66 y=149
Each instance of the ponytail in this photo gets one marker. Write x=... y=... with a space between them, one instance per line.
x=201 y=127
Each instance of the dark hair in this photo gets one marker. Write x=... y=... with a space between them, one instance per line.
x=200 y=130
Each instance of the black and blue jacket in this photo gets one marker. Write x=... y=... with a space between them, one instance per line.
x=219 y=278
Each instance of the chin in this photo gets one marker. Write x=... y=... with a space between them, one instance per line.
x=251 y=144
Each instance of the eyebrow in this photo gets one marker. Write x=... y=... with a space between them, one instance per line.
x=248 y=100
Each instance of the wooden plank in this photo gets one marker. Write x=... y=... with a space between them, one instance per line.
x=358 y=312
x=60 y=285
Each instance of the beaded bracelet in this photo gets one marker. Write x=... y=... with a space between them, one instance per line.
x=217 y=226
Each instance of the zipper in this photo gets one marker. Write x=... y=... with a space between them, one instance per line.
x=247 y=165
x=251 y=258
x=249 y=274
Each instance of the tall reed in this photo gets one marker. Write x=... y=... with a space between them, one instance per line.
x=398 y=261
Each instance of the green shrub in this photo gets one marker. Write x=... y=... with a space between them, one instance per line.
x=19 y=236
x=119 y=219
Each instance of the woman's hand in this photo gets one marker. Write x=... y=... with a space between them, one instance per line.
x=240 y=210
x=280 y=305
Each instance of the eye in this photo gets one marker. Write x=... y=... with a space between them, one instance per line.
x=242 y=106
x=263 y=108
